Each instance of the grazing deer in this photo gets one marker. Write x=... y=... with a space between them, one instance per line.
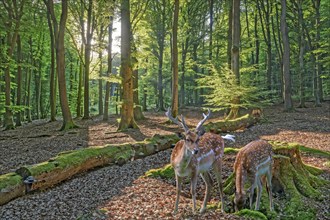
x=253 y=161
x=195 y=155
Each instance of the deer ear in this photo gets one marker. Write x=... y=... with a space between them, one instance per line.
x=181 y=135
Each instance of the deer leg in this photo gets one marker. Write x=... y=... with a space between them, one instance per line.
x=253 y=186
x=178 y=190
x=217 y=166
x=269 y=186
x=193 y=190
x=259 y=190
x=208 y=182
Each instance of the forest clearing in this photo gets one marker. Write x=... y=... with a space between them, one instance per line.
x=164 y=109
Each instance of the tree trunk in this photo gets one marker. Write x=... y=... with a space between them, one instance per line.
x=100 y=84
x=160 y=77
x=14 y=13
x=257 y=43
x=235 y=55
x=19 y=80
x=127 y=110
x=52 y=94
x=138 y=115
x=80 y=82
x=108 y=85
x=230 y=32
x=175 y=77
x=301 y=42
x=319 y=88
x=288 y=106
x=88 y=47
x=211 y=2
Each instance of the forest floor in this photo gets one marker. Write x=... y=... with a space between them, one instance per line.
x=117 y=192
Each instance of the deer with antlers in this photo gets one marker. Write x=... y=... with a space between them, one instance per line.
x=253 y=162
x=196 y=154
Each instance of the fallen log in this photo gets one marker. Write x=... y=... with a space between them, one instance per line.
x=241 y=123
x=67 y=164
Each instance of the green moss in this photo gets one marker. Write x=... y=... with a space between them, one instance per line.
x=229 y=184
x=230 y=150
x=9 y=179
x=314 y=151
x=251 y=214
x=165 y=172
x=79 y=156
x=313 y=170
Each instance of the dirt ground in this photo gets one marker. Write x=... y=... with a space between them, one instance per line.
x=40 y=140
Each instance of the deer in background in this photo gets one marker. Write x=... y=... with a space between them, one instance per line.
x=195 y=155
x=252 y=162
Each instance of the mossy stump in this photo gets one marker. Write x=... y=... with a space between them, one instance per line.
x=293 y=183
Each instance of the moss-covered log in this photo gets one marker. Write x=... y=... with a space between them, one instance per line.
x=231 y=125
x=70 y=163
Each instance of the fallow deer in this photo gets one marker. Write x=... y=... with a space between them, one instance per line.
x=195 y=155
x=252 y=162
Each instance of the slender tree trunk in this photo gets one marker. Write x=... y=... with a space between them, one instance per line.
x=257 y=45
x=211 y=4
x=15 y=13
x=29 y=76
x=100 y=84
x=230 y=32
x=52 y=96
x=288 y=106
x=138 y=115
x=108 y=84
x=127 y=113
x=19 y=80
x=80 y=83
x=175 y=77
x=279 y=37
x=319 y=87
x=248 y=31
x=301 y=42
x=88 y=48
x=234 y=110
x=160 y=77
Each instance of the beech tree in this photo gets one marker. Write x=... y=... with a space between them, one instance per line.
x=59 y=30
x=286 y=60
x=127 y=109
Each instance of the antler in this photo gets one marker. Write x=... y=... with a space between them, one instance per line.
x=200 y=124
x=176 y=120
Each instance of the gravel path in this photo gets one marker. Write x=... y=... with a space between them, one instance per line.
x=84 y=195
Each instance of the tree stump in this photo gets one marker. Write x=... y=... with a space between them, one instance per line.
x=294 y=183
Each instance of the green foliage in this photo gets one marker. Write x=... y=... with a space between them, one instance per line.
x=223 y=89
x=251 y=214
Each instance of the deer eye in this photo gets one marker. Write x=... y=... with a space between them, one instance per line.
x=189 y=140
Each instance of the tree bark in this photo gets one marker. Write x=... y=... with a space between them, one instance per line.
x=52 y=94
x=230 y=32
x=59 y=30
x=19 y=80
x=127 y=111
x=175 y=77
x=235 y=55
x=301 y=42
x=288 y=106
x=88 y=48
x=109 y=71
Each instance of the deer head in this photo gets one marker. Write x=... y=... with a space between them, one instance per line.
x=191 y=138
